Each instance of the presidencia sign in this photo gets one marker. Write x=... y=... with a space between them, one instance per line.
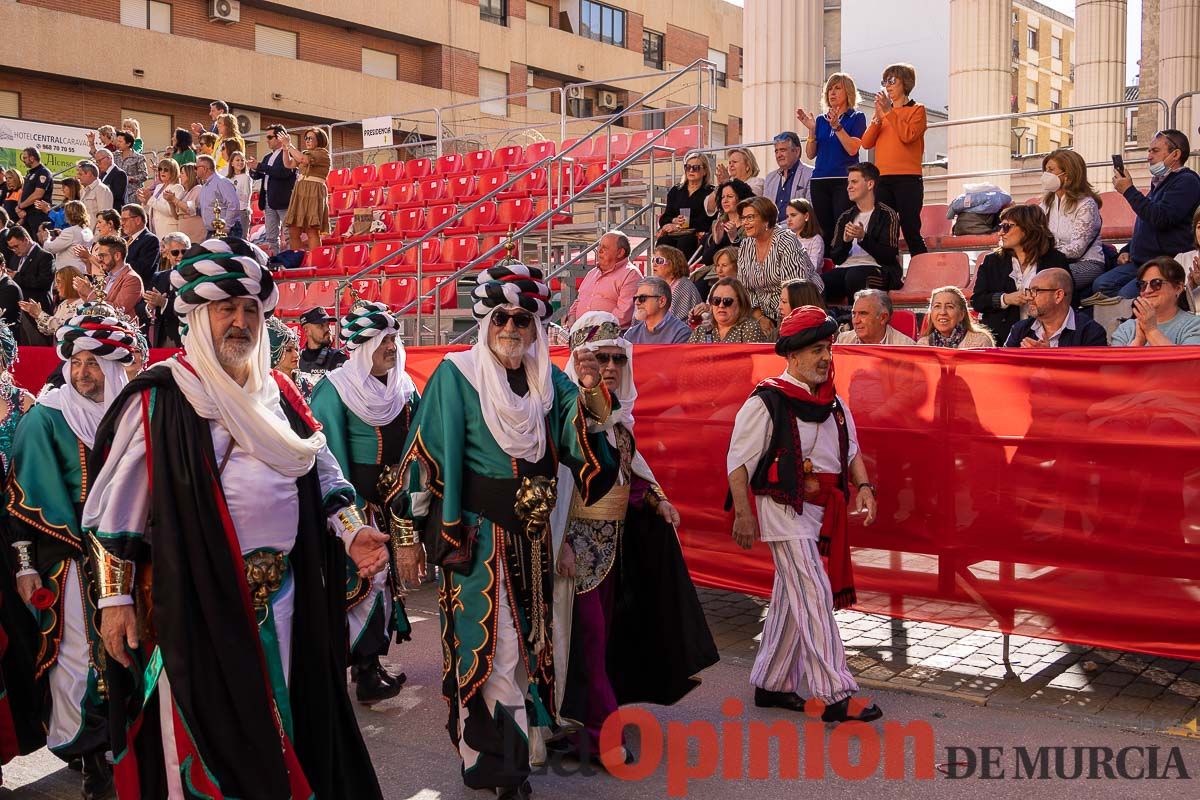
x=377 y=132
x=60 y=145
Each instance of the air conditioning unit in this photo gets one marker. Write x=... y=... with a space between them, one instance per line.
x=575 y=92
x=607 y=100
x=248 y=121
x=226 y=11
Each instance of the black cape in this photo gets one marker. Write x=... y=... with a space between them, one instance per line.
x=209 y=641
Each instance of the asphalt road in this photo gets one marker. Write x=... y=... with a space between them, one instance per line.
x=415 y=760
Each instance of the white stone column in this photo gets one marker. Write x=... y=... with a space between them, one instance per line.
x=1100 y=78
x=784 y=66
x=1179 y=61
x=980 y=85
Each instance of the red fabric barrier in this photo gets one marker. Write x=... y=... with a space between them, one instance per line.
x=1050 y=494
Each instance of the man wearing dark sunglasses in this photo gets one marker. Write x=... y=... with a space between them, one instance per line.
x=1164 y=214
x=655 y=325
x=494 y=424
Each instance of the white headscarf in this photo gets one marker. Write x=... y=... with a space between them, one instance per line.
x=518 y=424
x=375 y=402
x=83 y=415
x=626 y=392
x=250 y=412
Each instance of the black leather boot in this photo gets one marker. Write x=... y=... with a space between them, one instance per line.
x=371 y=685
x=97 y=777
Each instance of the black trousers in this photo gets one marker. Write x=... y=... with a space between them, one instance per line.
x=841 y=283
x=829 y=201
x=904 y=194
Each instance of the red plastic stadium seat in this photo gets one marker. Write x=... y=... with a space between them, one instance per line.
x=583 y=152
x=482 y=214
x=488 y=243
x=928 y=271
x=391 y=172
x=640 y=139
x=398 y=292
x=905 y=321
x=291 y=299
x=321 y=293
x=595 y=171
x=431 y=256
x=459 y=250
x=321 y=258
x=370 y=196
x=341 y=227
x=353 y=257
x=461 y=188
x=827 y=265
x=418 y=168
x=450 y=164
x=510 y=156
x=409 y=221
x=568 y=179
x=510 y=214
x=364 y=175
x=537 y=151
x=431 y=190
x=542 y=205
x=617 y=147
x=342 y=201
x=934 y=227
x=478 y=161
x=446 y=295
x=338 y=178
x=365 y=289
x=531 y=183
x=489 y=181
x=684 y=139
x=1116 y=217
x=400 y=195
x=439 y=214
x=385 y=252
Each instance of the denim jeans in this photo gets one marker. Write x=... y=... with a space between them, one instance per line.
x=1118 y=282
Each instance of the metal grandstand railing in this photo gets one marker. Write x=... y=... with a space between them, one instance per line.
x=558 y=199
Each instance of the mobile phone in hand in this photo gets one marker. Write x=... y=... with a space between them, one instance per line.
x=1119 y=164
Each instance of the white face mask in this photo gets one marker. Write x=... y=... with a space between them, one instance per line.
x=1159 y=169
x=1051 y=182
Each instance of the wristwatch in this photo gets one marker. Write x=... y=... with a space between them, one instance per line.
x=866 y=485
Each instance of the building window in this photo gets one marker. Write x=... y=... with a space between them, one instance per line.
x=601 y=23
x=1031 y=91
x=536 y=14
x=1056 y=47
x=10 y=104
x=1030 y=145
x=652 y=49
x=494 y=11
x=378 y=63
x=147 y=14
x=156 y=129
x=1056 y=98
x=719 y=132
x=493 y=86
x=275 y=42
x=1031 y=38
x=580 y=107
x=654 y=120
x=719 y=60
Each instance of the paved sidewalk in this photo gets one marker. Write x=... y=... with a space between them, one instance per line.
x=1106 y=686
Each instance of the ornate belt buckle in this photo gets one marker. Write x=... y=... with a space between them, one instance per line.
x=264 y=575
x=535 y=502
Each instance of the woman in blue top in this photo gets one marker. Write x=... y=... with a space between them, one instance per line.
x=833 y=141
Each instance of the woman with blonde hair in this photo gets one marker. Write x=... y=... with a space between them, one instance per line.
x=163 y=219
x=227 y=130
x=78 y=231
x=186 y=209
x=1072 y=207
x=670 y=265
x=308 y=211
x=134 y=128
x=685 y=216
x=949 y=324
x=12 y=193
x=68 y=304
x=834 y=139
x=740 y=165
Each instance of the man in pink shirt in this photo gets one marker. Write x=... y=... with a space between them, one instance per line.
x=611 y=284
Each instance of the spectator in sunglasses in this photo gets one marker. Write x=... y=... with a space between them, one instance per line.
x=684 y=218
x=656 y=324
x=1157 y=317
x=670 y=264
x=1164 y=214
x=727 y=317
x=1051 y=321
x=160 y=297
x=1026 y=247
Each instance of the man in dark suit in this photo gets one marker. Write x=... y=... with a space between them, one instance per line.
x=33 y=272
x=142 y=244
x=113 y=176
x=278 y=181
x=10 y=297
x=1051 y=321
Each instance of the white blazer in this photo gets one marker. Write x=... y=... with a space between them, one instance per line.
x=60 y=247
x=162 y=219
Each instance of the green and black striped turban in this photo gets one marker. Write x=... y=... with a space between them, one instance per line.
x=218 y=269
x=365 y=321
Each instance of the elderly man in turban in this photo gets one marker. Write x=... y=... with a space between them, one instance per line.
x=636 y=633
x=365 y=407
x=795 y=448
x=494 y=424
x=220 y=583
x=49 y=478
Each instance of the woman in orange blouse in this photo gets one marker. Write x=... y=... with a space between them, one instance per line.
x=897 y=133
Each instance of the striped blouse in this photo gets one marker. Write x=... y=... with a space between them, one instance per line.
x=786 y=260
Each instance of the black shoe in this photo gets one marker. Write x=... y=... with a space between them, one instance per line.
x=75 y=764
x=389 y=678
x=521 y=792
x=840 y=712
x=764 y=698
x=97 y=777
x=372 y=688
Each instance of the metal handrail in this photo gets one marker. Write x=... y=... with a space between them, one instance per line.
x=1173 y=118
x=582 y=254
